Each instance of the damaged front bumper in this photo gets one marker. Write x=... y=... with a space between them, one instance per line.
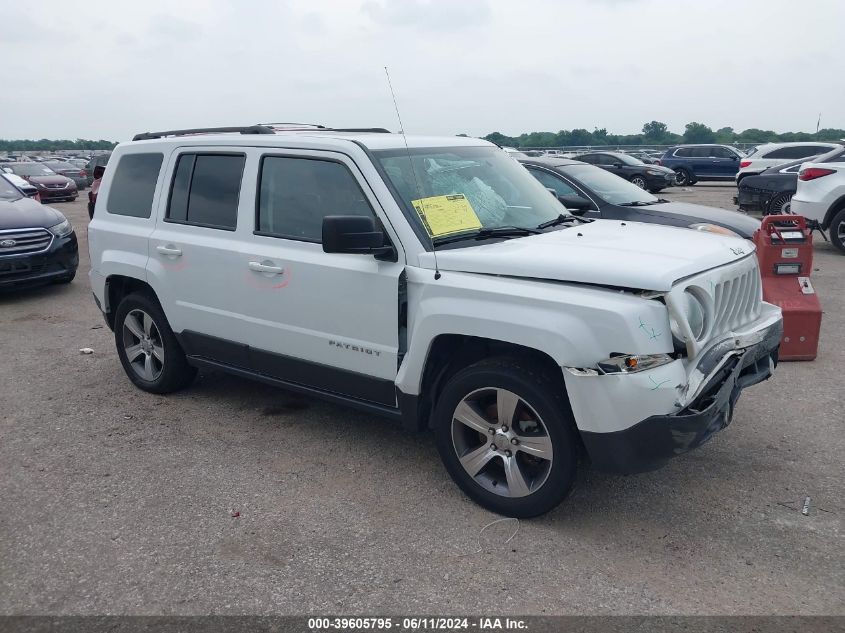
x=697 y=406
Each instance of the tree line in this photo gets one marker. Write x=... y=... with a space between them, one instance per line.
x=51 y=145
x=657 y=133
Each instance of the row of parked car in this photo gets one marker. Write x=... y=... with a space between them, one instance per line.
x=772 y=178
x=52 y=179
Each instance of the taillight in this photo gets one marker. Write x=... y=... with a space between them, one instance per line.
x=659 y=161
x=744 y=163
x=811 y=173
x=83 y=173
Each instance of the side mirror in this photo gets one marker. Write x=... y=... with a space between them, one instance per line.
x=99 y=170
x=575 y=203
x=353 y=234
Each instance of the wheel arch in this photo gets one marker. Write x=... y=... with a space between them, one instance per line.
x=835 y=208
x=119 y=286
x=449 y=353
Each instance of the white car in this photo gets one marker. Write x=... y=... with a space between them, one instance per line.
x=820 y=197
x=437 y=284
x=764 y=156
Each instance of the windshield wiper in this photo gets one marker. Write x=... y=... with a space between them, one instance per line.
x=562 y=219
x=488 y=233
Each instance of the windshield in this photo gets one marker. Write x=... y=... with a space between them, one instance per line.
x=466 y=189
x=610 y=187
x=32 y=169
x=7 y=191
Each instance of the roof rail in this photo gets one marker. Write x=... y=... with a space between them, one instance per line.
x=377 y=130
x=262 y=128
x=250 y=129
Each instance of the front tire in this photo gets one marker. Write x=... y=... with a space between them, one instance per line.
x=148 y=350
x=837 y=230
x=505 y=433
x=639 y=181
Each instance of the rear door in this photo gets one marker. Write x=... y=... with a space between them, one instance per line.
x=724 y=161
x=193 y=249
x=701 y=162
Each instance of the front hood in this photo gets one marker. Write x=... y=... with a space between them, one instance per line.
x=604 y=252
x=660 y=168
x=26 y=213
x=733 y=220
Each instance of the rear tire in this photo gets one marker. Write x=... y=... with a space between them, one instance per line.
x=779 y=204
x=837 y=230
x=509 y=423
x=148 y=350
x=683 y=177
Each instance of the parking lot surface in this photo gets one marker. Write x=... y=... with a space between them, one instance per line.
x=118 y=501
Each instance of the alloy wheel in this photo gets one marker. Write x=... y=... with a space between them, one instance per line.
x=780 y=204
x=142 y=345
x=639 y=181
x=501 y=442
x=681 y=178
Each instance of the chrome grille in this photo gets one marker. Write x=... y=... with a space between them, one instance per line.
x=736 y=301
x=24 y=241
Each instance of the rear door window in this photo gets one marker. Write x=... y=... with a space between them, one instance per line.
x=206 y=189
x=134 y=184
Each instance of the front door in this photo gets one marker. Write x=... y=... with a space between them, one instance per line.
x=324 y=320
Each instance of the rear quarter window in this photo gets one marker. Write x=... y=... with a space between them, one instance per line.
x=134 y=184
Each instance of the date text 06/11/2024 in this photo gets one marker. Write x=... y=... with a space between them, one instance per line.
x=416 y=624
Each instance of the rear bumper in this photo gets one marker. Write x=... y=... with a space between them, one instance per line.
x=651 y=442
x=660 y=182
x=810 y=209
x=749 y=199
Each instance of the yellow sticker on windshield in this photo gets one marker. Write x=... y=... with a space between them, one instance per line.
x=444 y=215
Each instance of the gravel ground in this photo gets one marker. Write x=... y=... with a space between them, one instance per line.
x=117 y=501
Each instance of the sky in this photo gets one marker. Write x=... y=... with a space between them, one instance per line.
x=107 y=70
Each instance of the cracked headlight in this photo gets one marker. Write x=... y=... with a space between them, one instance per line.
x=61 y=229
x=695 y=316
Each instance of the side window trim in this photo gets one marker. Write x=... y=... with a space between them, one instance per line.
x=299 y=238
x=197 y=152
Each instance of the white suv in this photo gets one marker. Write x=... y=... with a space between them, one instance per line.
x=820 y=197
x=771 y=154
x=437 y=284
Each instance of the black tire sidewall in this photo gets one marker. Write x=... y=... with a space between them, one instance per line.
x=551 y=407
x=642 y=180
x=687 y=178
x=176 y=372
x=838 y=218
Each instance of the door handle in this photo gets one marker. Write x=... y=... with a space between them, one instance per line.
x=265 y=268
x=170 y=250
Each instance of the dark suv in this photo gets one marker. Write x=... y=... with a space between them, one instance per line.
x=37 y=243
x=692 y=163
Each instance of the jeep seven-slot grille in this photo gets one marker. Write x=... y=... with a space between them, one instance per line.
x=24 y=241
x=737 y=301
